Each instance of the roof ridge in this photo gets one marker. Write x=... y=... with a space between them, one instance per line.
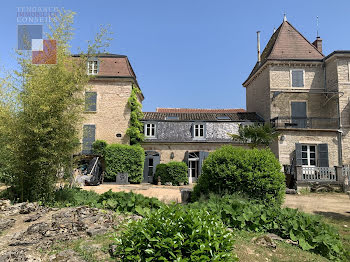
x=305 y=38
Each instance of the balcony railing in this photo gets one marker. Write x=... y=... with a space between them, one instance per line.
x=314 y=173
x=305 y=122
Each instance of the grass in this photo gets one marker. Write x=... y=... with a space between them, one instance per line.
x=342 y=223
x=92 y=249
x=247 y=251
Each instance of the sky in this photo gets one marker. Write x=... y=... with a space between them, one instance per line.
x=193 y=54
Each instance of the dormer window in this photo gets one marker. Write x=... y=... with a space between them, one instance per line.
x=297 y=77
x=198 y=131
x=92 y=67
x=150 y=130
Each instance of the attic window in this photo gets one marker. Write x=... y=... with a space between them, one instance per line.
x=172 y=118
x=223 y=117
x=92 y=67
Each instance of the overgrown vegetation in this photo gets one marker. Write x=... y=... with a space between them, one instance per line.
x=116 y=201
x=256 y=135
x=174 y=172
x=125 y=159
x=40 y=112
x=135 y=130
x=310 y=231
x=99 y=147
x=171 y=234
x=256 y=173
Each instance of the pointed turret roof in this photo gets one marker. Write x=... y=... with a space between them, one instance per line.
x=287 y=43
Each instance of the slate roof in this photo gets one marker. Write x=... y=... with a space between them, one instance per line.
x=211 y=117
x=198 y=110
x=287 y=43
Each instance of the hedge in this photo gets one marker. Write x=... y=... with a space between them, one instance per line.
x=256 y=173
x=174 y=172
x=99 y=147
x=125 y=159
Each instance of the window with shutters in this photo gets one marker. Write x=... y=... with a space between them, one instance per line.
x=308 y=155
x=90 y=101
x=150 y=130
x=92 y=67
x=297 y=77
x=198 y=131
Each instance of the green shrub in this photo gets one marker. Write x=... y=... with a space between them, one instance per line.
x=171 y=234
x=161 y=171
x=65 y=197
x=256 y=173
x=125 y=159
x=128 y=202
x=99 y=147
x=116 y=201
x=177 y=173
x=174 y=172
x=310 y=231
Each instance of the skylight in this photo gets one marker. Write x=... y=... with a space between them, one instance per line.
x=172 y=118
x=223 y=117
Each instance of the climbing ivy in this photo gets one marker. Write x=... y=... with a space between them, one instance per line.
x=135 y=130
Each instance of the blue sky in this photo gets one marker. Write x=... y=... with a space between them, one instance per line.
x=189 y=53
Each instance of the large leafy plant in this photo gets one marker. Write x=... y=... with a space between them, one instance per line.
x=309 y=231
x=171 y=234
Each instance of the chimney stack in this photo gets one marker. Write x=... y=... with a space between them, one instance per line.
x=258 y=42
x=318 y=43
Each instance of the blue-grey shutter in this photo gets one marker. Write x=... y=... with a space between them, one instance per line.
x=322 y=152
x=88 y=138
x=297 y=78
x=202 y=156
x=299 y=116
x=298 y=155
x=156 y=162
x=90 y=101
x=186 y=158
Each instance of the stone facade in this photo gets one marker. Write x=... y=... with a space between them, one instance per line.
x=179 y=150
x=113 y=113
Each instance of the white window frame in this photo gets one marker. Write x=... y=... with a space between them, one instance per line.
x=199 y=127
x=291 y=78
x=148 y=130
x=92 y=67
x=308 y=154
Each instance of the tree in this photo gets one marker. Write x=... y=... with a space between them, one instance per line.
x=256 y=135
x=39 y=127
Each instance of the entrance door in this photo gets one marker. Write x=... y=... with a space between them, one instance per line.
x=299 y=117
x=193 y=170
x=152 y=159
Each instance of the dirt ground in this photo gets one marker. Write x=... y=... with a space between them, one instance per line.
x=166 y=194
x=333 y=204
x=328 y=204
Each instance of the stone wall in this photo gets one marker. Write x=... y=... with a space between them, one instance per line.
x=318 y=105
x=286 y=148
x=344 y=104
x=280 y=76
x=179 y=149
x=174 y=131
x=258 y=95
x=113 y=113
